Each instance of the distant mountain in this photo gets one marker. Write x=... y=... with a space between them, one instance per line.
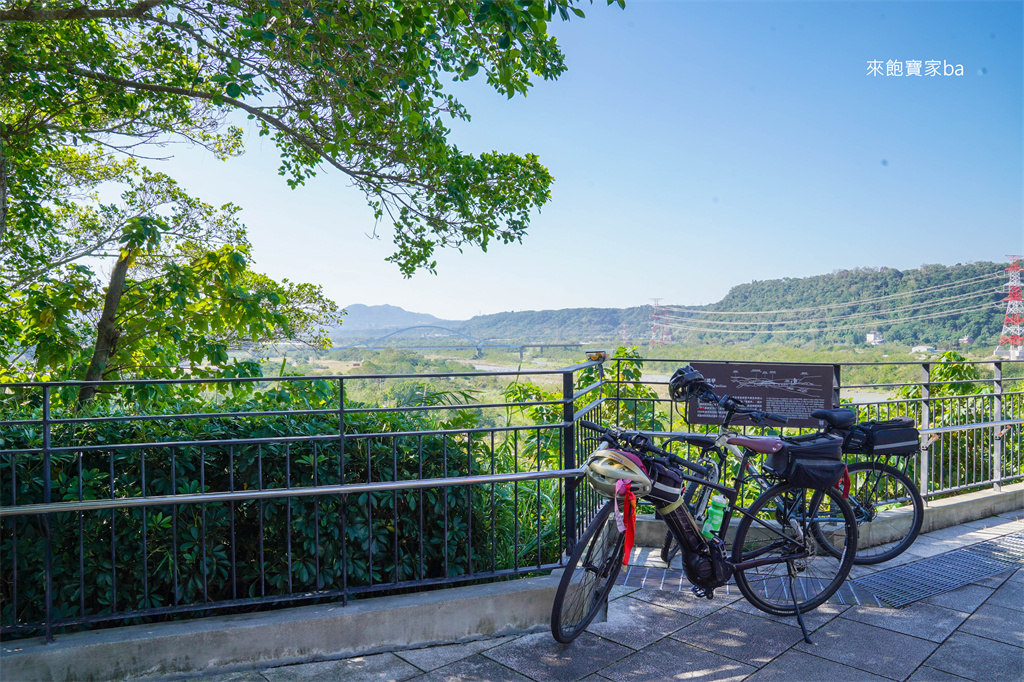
x=916 y=302
x=361 y=319
x=568 y=324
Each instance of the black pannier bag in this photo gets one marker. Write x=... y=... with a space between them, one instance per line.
x=813 y=461
x=879 y=438
x=667 y=485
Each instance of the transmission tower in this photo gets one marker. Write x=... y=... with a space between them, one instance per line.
x=661 y=333
x=1012 y=337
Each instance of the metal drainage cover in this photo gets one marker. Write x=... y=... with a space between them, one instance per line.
x=674 y=580
x=894 y=587
x=909 y=583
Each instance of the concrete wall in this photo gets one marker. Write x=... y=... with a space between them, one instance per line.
x=309 y=633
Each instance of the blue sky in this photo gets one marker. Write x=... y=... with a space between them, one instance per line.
x=696 y=146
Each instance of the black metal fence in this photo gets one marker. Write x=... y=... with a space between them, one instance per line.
x=295 y=491
x=971 y=424
x=140 y=515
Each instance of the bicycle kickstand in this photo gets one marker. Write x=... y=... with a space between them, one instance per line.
x=796 y=606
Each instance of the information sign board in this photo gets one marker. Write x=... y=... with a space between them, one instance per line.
x=792 y=391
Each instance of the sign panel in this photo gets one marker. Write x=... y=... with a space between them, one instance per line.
x=792 y=391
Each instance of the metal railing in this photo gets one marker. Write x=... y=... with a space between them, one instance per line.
x=193 y=512
x=970 y=426
x=293 y=491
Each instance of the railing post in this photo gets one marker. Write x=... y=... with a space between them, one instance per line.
x=341 y=470
x=47 y=538
x=569 y=457
x=997 y=438
x=926 y=421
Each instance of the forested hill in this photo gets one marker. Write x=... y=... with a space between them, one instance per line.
x=926 y=294
x=908 y=306
x=568 y=324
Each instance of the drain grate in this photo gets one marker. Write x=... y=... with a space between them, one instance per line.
x=894 y=587
x=674 y=580
x=903 y=585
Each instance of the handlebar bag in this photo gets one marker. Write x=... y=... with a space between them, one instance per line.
x=813 y=461
x=667 y=485
x=878 y=438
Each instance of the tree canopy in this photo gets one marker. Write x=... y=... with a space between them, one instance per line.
x=357 y=85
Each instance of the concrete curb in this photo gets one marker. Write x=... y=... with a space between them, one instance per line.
x=944 y=513
x=223 y=644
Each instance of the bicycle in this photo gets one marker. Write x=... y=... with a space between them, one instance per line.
x=776 y=543
x=878 y=491
x=882 y=495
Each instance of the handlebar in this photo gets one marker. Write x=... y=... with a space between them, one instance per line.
x=638 y=440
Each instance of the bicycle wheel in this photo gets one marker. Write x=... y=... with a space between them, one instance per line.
x=588 y=576
x=889 y=512
x=782 y=524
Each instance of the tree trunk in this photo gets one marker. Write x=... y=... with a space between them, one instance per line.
x=107 y=332
x=3 y=190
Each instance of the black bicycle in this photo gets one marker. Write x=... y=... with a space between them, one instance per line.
x=885 y=500
x=775 y=560
x=884 y=497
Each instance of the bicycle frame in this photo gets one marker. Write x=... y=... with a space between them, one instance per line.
x=732 y=493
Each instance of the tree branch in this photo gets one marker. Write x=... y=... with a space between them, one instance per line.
x=74 y=13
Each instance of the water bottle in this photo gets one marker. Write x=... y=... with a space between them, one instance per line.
x=715 y=514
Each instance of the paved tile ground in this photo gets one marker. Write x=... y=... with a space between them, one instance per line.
x=975 y=632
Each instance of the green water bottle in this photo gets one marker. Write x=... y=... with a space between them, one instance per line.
x=714 y=516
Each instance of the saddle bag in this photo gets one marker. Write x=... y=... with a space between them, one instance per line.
x=813 y=461
x=667 y=485
x=879 y=438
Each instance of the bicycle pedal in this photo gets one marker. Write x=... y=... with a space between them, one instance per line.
x=698 y=591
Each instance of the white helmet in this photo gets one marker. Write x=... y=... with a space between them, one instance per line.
x=605 y=467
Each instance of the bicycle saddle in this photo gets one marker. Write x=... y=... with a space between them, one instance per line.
x=765 y=444
x=837 y=419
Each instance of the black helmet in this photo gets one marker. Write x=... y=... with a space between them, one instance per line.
x=685 y=383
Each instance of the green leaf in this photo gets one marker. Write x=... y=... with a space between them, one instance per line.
x=233 y=90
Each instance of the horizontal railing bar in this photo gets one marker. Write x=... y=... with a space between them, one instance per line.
x=332 y=411
x=325 y=377
x=842 y=364
x=283 y=493
x=969 y=427
x=583 y=391
x=280 y=439
x=588 y=407
x=952 y=489
x=935 y=383
x=329 y=412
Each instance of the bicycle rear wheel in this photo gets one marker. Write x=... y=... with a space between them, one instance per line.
x=783 y=524
x=888 y=501
x=588 y=576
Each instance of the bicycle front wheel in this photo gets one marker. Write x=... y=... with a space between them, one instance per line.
x=781 y=528
x=588 y=576
x=889 y=512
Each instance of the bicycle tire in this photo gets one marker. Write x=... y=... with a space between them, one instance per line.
x=876 y=487
x=794 y=512
x=588 y=576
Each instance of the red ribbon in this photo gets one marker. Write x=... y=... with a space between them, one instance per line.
x=844 y=484
x=629 y=517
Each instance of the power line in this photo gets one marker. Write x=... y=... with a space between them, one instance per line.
x=913 y=306
x=835 y=329
x=846 y=304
